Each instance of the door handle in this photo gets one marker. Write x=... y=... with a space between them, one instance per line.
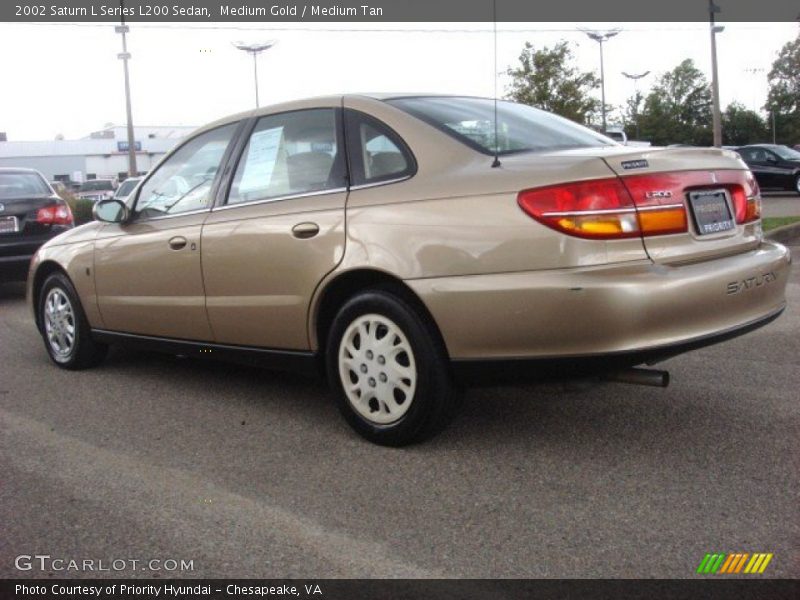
x=177 y=243
x=305 y=230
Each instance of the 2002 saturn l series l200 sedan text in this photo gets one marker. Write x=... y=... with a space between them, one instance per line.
x=381 y=239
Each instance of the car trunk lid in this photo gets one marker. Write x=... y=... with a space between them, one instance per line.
x=31 y=216
x=708 y=195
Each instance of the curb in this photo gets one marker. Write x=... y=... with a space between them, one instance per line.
x=784 y=235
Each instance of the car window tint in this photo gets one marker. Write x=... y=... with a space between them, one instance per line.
x=377 y=153
x=289 y=154
x=16 y=185
x=505 y=127
x=183 y=182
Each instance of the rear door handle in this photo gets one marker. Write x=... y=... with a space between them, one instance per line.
x=305 y=230
x=177 y=243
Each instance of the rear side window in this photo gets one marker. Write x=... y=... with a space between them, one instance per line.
x=376 y=152
x=290 y=154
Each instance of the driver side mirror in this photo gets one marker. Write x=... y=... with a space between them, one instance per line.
x=110 y=211
x=771 y=159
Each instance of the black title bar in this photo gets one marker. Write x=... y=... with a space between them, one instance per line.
x=376 y=11
x=745 y=588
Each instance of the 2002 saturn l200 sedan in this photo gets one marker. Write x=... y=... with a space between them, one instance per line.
x=380 y=237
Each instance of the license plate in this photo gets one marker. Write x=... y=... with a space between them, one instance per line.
x=711 y=211
x=8 y=225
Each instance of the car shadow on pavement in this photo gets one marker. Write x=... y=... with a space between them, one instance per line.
x=591 y=410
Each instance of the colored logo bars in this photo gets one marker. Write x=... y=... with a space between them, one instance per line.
x=742 y=562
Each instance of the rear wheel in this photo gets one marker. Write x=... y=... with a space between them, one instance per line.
x=65 y=330
x=389 y=371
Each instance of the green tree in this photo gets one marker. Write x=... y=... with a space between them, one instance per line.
x=741 y=126
x=784 y=93
x=678 y=108
x=632 y=114
x=547 y=79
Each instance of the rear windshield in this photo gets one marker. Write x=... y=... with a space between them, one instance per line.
x=96 y=185
x=786 y=153
x=19 y=185
x=520 y=128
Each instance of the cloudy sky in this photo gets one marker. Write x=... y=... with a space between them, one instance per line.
x=66 y=79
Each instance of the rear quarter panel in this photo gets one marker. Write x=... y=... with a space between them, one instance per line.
x=459 y=216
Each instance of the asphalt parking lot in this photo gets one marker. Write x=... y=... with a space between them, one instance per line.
x=249 y=473
x=780 y=204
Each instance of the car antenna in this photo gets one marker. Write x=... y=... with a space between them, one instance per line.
x=496 y=162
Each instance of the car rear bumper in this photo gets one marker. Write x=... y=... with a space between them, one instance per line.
x=627 y=310
x=14 y=268
x=16 y=254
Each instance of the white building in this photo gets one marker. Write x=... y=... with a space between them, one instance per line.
x=102 y=154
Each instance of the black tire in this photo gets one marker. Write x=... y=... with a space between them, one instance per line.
x=83 y=352
x=797 y=184
x=435 y=396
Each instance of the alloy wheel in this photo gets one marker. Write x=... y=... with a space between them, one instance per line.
x=59 y=324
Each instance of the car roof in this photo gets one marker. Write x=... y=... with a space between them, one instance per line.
x=322 y=101
x=18 y=170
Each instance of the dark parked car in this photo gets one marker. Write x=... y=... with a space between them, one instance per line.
x=775 y=166
x=30 y=214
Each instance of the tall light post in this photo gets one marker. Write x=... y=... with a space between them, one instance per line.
x=635 y=78
x=601 y=37
x=255 y=50
x=125 y=56
x=716 y=116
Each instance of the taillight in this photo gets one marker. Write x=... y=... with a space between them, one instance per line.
x=55 y=214
x=753 y=199
x=646 y=205
x=659 y=200
x=597 y=209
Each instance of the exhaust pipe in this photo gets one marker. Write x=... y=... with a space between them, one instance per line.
x=652 y=377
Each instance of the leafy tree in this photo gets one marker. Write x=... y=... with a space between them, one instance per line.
x=632 y=115
x=784 y=93
x=548 y=79
x=741 y=126
x=678 y=108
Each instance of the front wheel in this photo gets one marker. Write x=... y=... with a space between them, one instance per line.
x=797 y=183
x=66 y=332
x=389 y=371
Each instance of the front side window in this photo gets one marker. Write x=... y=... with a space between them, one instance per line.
x=519 y=128
x=290 y=154
x=377 y=153
x=183 y=182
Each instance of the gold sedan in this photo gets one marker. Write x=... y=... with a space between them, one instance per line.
x=405 y=244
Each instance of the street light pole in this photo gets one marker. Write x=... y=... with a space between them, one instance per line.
x=124 y=56
x=255 y=50
x=716 y=116
x=600 y=38
x=635 y=78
